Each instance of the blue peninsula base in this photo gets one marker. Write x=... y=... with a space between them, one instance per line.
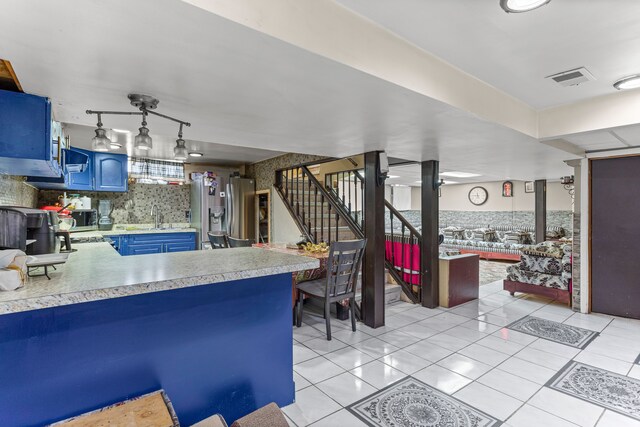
x=218 y=348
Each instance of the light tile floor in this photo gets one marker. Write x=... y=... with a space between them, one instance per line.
x=465 y=352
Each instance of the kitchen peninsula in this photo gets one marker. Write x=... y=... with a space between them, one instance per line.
x=211 y=328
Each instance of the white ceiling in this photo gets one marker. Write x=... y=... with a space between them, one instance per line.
x=239 y=87
x=221 y=154
x=514 y=52
x=614 y=138
x=410 y=174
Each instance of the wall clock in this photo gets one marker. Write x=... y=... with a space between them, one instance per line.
x=478 y=195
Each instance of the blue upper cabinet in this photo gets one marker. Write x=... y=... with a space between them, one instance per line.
x=26 y=145
x=82 y=180
x=102 y=172
x=110 y=172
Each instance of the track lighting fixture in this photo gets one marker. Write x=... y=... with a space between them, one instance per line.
x=142 y=141
x=100 y=142
x=180 y=152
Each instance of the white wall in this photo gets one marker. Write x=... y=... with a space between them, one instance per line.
x=283 y=228
x=455 y=197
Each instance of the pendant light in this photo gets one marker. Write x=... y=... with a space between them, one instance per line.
x=100 y=142
x=142 y=140
x=519 y=6
x=180 y=152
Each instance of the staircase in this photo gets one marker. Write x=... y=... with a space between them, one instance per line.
x=335 y=211
x=402 y=240
x=319 y=216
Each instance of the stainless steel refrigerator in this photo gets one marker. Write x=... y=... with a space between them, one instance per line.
x=222 y=205
x=240 y=208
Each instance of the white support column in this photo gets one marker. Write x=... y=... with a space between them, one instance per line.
x=582 y=200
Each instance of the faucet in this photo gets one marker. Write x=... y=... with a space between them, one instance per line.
x=155 y=213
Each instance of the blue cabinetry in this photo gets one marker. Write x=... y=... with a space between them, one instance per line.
x=110 y=172
x=154 y=243
x=26 y=144
x=81 y=180
x=103 y=172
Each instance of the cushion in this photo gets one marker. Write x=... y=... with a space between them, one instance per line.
x=485 y=235
x=548 y=249
x=517 y=274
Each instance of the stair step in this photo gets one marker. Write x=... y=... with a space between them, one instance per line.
x=391 y=294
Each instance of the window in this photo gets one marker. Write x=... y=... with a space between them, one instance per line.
x=155 y=171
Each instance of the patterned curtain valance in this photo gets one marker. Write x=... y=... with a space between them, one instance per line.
x=150 y=169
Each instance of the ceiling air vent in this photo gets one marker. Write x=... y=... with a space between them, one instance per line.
x=572 y=77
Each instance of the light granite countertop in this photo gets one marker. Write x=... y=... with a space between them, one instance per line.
x=119 y=231
x=96 y=272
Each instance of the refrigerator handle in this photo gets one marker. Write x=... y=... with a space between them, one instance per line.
x=230 y=212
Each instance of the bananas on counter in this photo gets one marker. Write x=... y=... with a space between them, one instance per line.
x=313 y=247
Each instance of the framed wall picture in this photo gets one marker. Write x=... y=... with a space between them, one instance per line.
x=507 y=189
x=528 y=187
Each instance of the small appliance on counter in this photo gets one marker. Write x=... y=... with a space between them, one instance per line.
x=86 y=219
x=30 y=230
x=105 y=207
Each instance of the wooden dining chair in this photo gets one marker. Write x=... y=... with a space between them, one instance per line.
x=343 y=268
x=239 y=243
x=218 y=241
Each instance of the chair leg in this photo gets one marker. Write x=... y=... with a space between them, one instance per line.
x=352 y=306
x=300 y=304
x=327 y=317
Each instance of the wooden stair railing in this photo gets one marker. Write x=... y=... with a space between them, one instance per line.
x=319 y=216
x=402 y=240
x=402 y=253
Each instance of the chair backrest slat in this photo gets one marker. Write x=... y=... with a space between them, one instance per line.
x=343 y=266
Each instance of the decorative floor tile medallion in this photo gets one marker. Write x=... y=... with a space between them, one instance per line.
x=554 y=331
x=410 y=402
x=604 y=388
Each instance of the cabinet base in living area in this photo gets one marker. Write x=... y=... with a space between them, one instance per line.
x=459 y=279
x=557 y=294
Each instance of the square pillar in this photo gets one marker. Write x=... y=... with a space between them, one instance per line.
x=373 y=263
x=541 y=210
x=429 y=252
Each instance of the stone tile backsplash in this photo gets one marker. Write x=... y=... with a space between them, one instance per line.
x=484 y=218
x=15 y=192
x=134 y=207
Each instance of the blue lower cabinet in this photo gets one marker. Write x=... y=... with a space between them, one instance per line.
x=179 y=246
x=118 y=243
x=151 y=248
x=155 y=243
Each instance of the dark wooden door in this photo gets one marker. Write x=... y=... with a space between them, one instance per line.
x=615 y=236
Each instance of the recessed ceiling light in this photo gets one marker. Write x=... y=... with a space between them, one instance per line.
x=120 y=130
x=517 y=6
x=459 y=174
x=631 y=82
x=195 y=154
